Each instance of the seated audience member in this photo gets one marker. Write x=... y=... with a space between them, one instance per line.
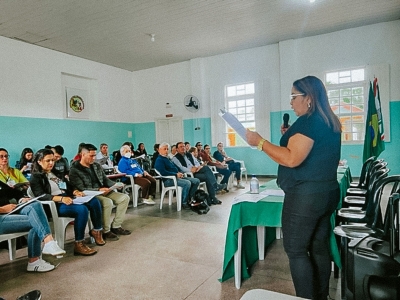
x=11 y=176
x=61 y=166
x=130 y=166
x=117 y=153
x=173 y=152
x=166 y=168
x=195 y=153
x=86 y=174
x=25 y=162
x=222 y=167
x=142 y=157
x=187 y=146
x=103 y=159
x=155 y=155
x=30 y=218
x=44 y=182
x=141 y=150
x=199 y=147
x=186 y=164
x=234 y=166
x=77 y=157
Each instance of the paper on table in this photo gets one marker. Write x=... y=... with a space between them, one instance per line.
x=273 y=193
x=247 y=198
x=234 y=123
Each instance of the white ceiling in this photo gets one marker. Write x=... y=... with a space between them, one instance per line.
x=117 y=32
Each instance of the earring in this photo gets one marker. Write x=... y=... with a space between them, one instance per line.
x=308 y=105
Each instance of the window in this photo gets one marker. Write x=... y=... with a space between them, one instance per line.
x=239 y=101
x=347 y=94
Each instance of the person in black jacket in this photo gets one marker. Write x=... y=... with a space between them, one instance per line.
x=45 y=182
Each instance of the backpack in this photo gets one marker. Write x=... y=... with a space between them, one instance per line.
x=201 y=202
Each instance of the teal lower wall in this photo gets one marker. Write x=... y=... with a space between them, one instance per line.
x=17 y=133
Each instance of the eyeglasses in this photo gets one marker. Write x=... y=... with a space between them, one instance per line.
x=199 y=145
x=5 y=156
x=207 y=148
x=293 y=96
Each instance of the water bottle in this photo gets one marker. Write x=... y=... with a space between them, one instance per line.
x=254 y=185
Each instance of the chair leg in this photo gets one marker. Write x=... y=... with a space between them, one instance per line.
x=12 y=248
x=179 y=199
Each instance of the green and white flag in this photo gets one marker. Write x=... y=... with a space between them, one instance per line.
x=374 y=136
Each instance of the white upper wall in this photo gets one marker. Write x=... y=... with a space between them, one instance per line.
x=31 y=76
x=31 y=83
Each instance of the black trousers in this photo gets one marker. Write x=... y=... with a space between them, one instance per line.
x=206 y=175
x=306 y=228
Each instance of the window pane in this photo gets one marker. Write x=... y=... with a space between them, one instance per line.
x=250 y=110
x=249 y=117
x=241 y=103
x=241 y=110
x=250 y=88
x=332 y=78
x=231 y=91
x=357 y=75
x=241 y=118
x=249 y=102
x=233 y=111
x=232 y=104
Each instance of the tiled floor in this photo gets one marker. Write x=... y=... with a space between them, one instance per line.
x=169 y=255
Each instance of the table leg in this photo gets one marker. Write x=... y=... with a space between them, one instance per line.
x=261 y=241
x=278 y=233
x=238 y=261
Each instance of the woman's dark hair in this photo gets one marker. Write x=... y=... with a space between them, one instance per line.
x=140 y=151
x=59 y=149
x=23 y=153
x=156 y=146
x=130 y=145
x=192 y=149
x=314 y=88
x=2 y=149
x=36 y=168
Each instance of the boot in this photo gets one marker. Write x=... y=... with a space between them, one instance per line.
x=81 y=249
x=98 y=237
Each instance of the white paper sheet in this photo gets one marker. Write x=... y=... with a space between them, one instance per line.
x=234 y=123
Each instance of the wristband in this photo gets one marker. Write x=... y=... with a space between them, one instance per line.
x=260 y=144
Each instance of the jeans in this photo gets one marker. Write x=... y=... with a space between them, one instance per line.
x=235 y=167
x=306 y=228
x=33 y=218
x=206 y=175
x=121 y=201
x=80 y=213
x=189 y=186
x=226 y=173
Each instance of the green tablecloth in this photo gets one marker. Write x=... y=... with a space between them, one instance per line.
x=266 y=212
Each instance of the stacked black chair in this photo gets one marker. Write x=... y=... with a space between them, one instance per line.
x=363 y=175
x=374 y=226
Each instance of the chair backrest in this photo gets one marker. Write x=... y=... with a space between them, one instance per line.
x=375 y=165
x=369 y=205
x=364 y=169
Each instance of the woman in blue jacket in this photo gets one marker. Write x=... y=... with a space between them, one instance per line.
x=130 y=166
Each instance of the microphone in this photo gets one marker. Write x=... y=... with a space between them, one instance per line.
x=285 y=120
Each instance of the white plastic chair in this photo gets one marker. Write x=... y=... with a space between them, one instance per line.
x=59 y=223
x=170 y=190
x=202 y=185
x=12 y=243
x=134 y=189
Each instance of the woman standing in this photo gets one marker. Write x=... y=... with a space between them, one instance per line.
x=308 y=157
x=43 y=181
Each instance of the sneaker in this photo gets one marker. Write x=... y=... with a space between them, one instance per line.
x=32 y=295
x=240 y=186
x=40 y=265
x=220 y=187
x=149 y=201
x=51 y=248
